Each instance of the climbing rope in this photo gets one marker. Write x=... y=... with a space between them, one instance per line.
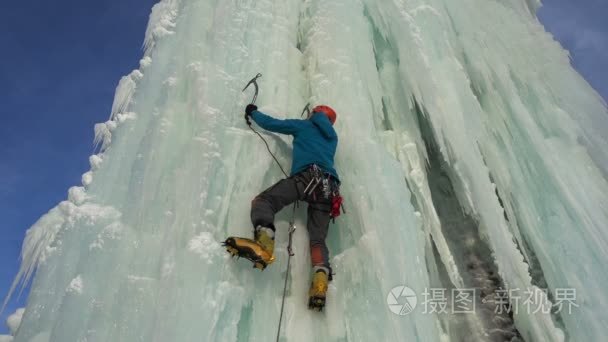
x=292 y=225
x=292 y=229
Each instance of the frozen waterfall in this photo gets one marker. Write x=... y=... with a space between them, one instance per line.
x=473 y=160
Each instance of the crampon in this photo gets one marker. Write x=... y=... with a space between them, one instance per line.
x=316 y=303
x=250 y=250
x=318 y=291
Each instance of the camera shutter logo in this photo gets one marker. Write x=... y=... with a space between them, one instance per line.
x=401 y=300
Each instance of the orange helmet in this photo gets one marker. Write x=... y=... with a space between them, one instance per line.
x=331 y=114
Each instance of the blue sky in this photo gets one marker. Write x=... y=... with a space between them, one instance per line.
x=61 y=62
x=582 y=28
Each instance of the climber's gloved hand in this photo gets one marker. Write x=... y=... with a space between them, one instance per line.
x=250 y=108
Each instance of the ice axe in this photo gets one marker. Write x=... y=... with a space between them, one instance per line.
x=306 y=110
x=253 y=81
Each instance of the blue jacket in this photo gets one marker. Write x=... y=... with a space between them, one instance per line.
x=314 y=140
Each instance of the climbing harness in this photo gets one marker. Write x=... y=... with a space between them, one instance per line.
x=317 y=178
x=330 y=189
x=292 y=224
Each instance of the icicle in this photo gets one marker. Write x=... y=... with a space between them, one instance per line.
x=145 y=62
x=124 y=92
x=14 y=320
x=77 y=195
x=95 y=162
x=161 y=23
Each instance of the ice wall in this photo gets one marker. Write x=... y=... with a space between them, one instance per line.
x=468 y=147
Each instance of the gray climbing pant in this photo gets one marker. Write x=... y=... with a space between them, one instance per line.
x=286 y=191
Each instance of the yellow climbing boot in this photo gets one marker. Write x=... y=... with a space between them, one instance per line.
x=318 y=290
x=265 y=238
x=259 y=251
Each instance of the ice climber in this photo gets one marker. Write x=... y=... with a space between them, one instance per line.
x=313 y=179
